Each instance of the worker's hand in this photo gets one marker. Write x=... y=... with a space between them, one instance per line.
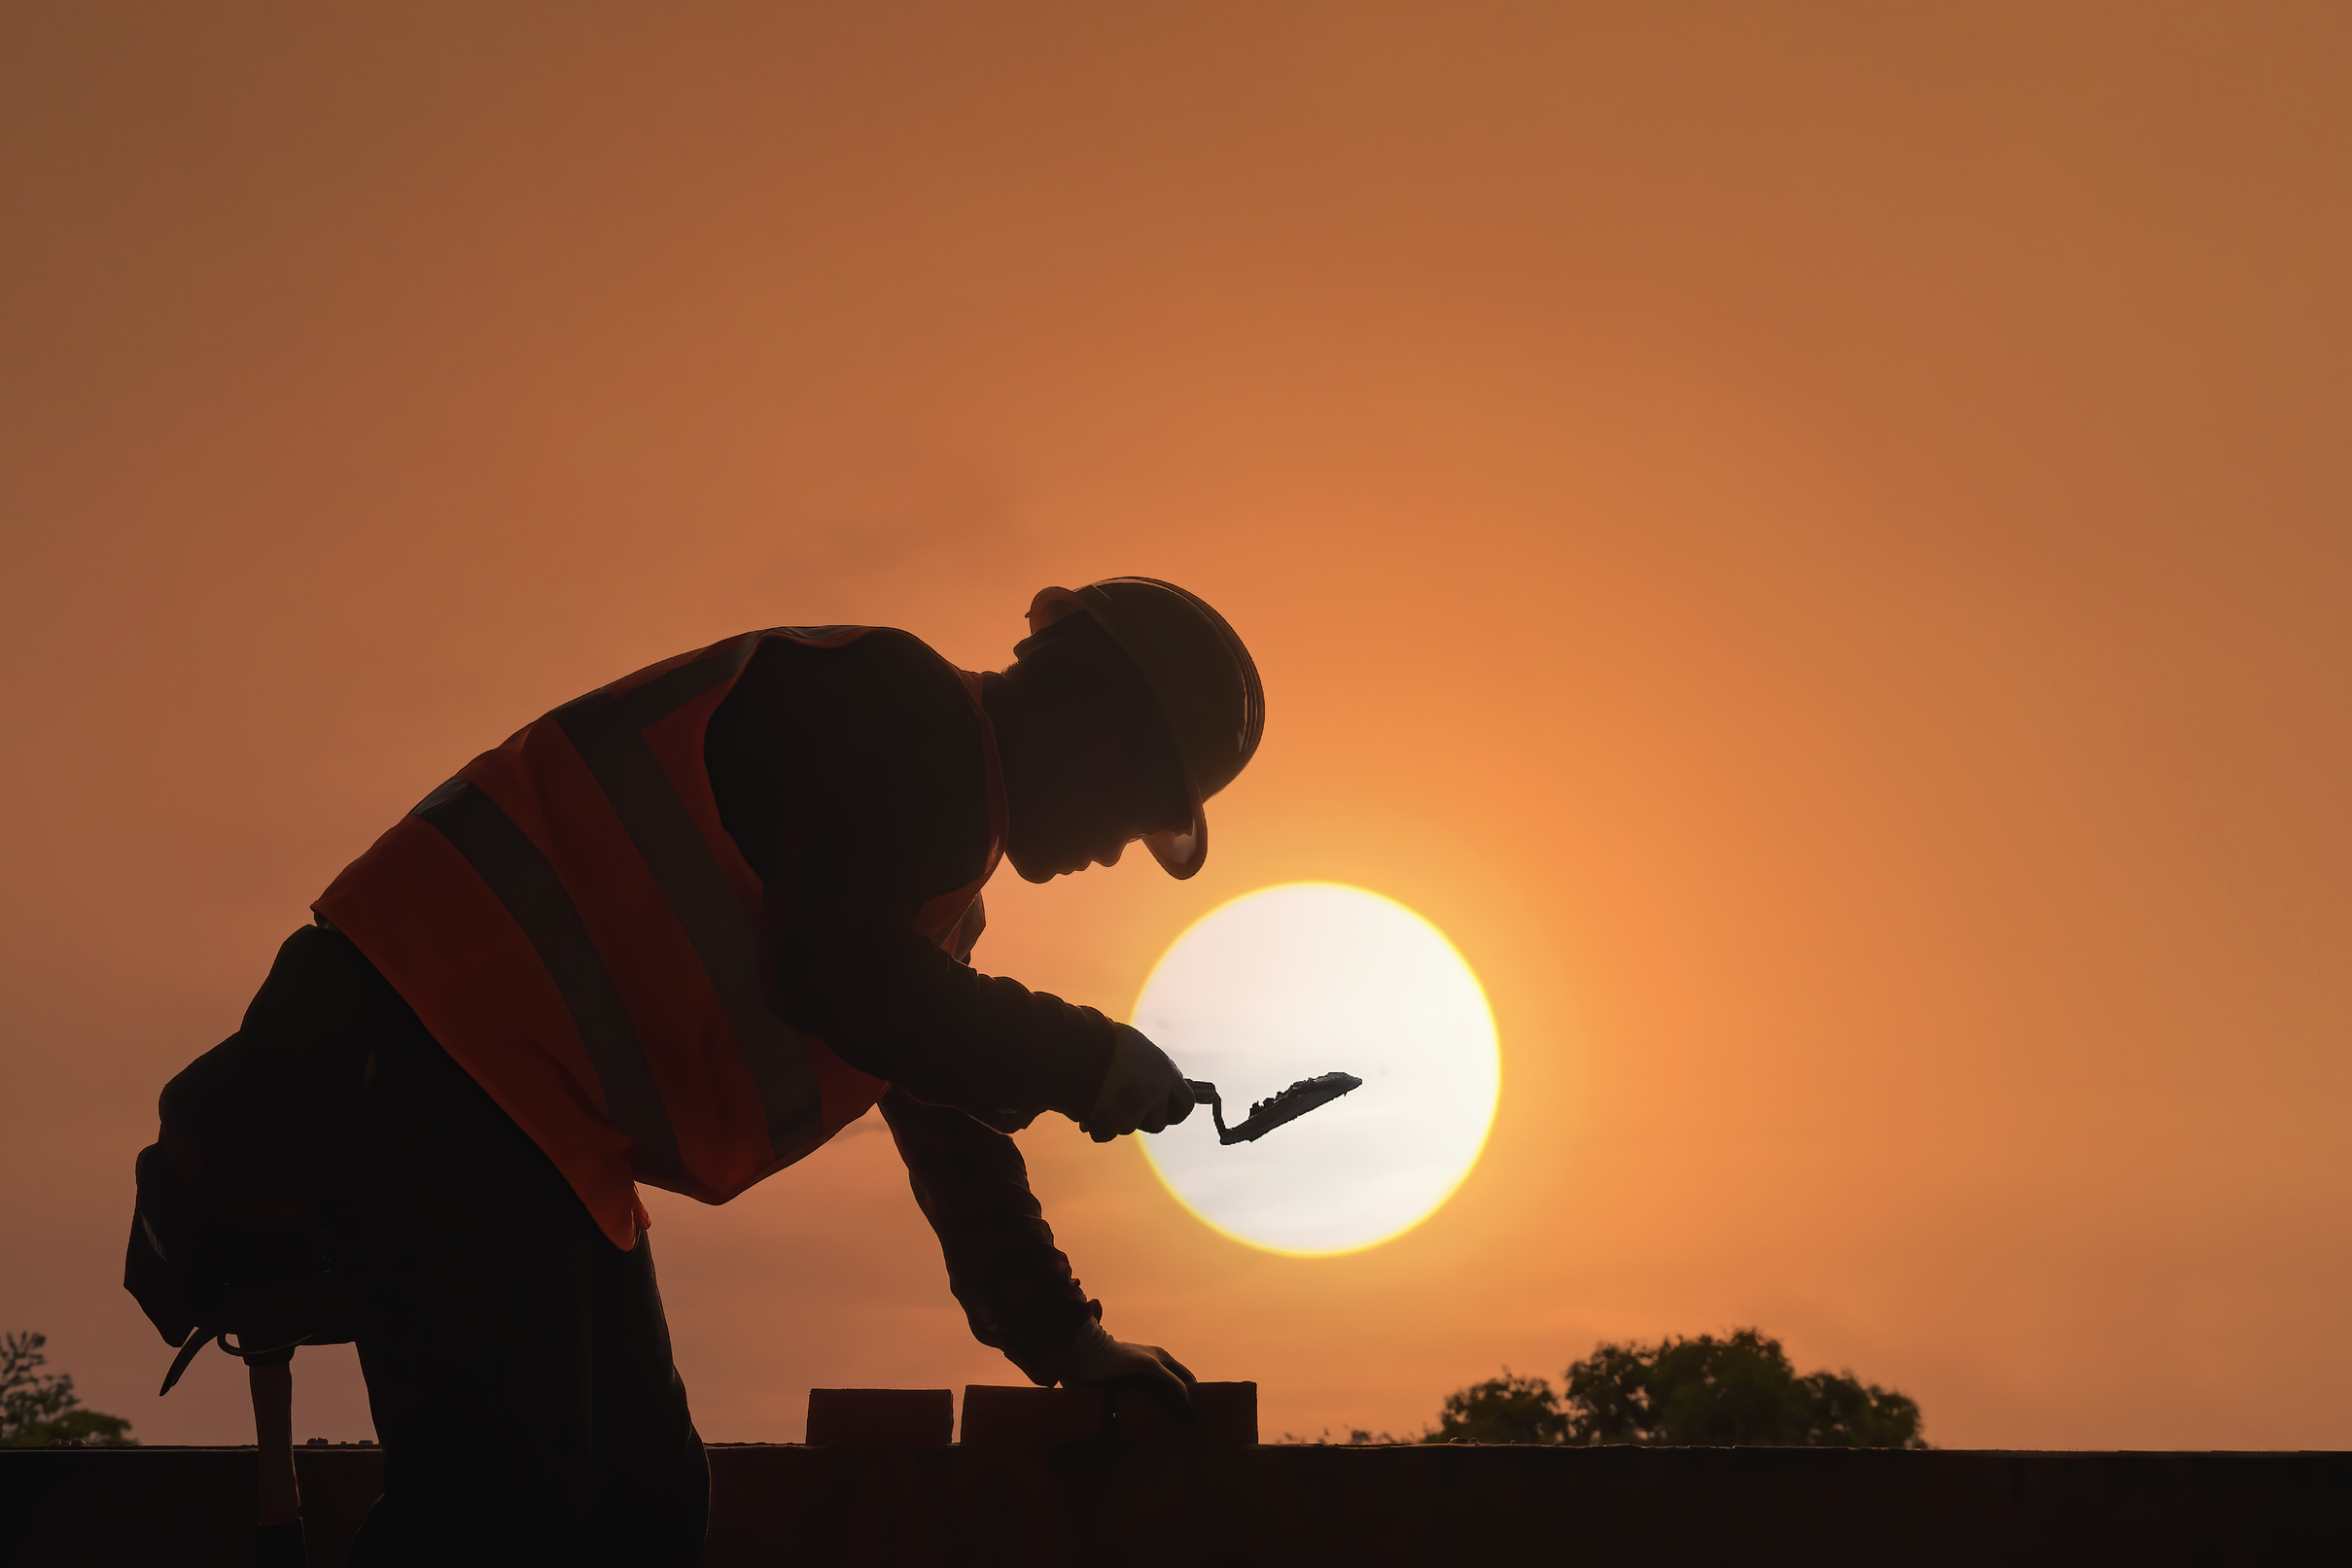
x=1142 y=1091
x=1094 y=1358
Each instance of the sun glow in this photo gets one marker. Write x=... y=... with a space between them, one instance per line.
x=1308 y=978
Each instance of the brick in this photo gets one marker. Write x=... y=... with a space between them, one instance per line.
x=1221 y=1412
x=882 y=1418
x=1032 y=1418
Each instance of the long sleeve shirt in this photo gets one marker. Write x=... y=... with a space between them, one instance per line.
x=853 y=780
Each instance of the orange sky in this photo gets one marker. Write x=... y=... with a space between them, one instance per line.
x=1813 y=544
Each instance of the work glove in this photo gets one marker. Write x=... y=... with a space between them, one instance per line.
x=1095 y=1358
x=1143 y=1090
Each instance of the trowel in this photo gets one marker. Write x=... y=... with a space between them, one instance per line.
x=1265 y=1115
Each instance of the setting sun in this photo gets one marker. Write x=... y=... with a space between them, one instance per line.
x=1290 y=981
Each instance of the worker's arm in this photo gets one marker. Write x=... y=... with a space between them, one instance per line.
x=1015 y=1284
x=894 y=1005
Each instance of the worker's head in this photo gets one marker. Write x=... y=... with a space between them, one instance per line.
x=1127 y=705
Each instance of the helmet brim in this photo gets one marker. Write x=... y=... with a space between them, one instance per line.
x=1181 y=855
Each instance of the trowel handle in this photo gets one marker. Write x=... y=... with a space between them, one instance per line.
x=1207 y=1095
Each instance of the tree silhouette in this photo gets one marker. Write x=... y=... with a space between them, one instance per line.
x=1737 y=1392
x=39 y=1407
x=1502 y=1409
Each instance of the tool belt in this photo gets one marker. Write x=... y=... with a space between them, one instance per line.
x=243 y=1231
x=241 y=1236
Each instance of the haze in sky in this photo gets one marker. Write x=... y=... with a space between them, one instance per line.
x=1808 y=541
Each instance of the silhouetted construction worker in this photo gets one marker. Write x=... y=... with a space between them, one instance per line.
x=681 y=931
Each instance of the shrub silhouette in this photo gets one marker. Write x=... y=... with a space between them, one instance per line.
x=40 y=1408
x=1736 y=1391
x=1502 y=1409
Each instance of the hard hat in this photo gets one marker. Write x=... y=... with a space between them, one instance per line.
x=1199 y=673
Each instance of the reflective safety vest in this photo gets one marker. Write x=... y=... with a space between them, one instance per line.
x=573 y=924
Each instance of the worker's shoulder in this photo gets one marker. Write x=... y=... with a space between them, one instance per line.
x=880 y=673
x=880 y=657
x=890 y=647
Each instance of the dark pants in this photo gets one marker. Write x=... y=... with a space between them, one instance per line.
x=518 y=1363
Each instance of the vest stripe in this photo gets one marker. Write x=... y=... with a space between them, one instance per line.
x=520 y=878
x=608 y=733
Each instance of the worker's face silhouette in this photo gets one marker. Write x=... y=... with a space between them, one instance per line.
x=1088 y=765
